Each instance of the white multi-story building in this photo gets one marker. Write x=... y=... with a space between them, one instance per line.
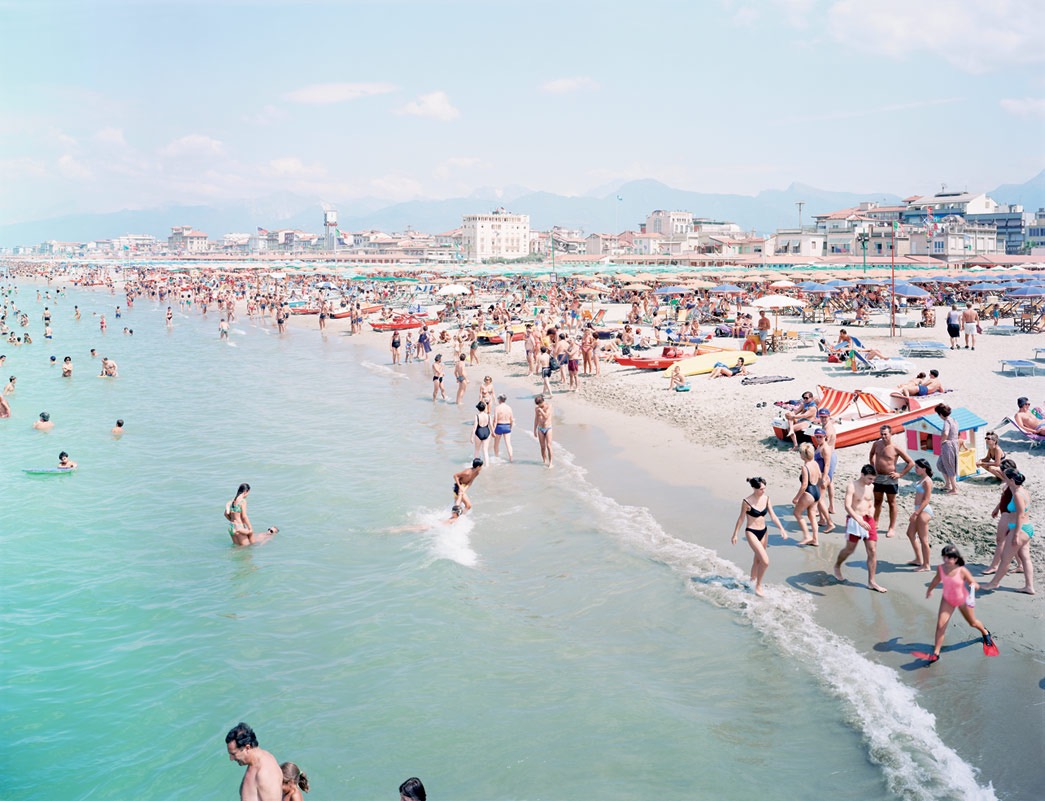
x=497 y=235
x=184 y=239
x=954 y=239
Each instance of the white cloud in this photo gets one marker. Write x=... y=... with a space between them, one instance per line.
x=395 y=187
x=1024 y=107
x=110 y=136
x=797 y=12
x=561 y=86
x=972 y=36
x=293 y=167
x=327 y=93
x=434 y=105
x=192 y=145
x=445 y=168
x=71 y=168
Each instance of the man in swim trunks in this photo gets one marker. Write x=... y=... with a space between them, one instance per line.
x=802 y=417
x=970 y=319
x=860 y=525
x=764 y=327
x=463 y=480
x=883 y=458
x=503 y=420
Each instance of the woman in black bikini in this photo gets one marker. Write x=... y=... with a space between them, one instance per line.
x=754 y=509
x=481 y=431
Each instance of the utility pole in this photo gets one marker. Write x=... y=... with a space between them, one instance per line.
x=800 y=204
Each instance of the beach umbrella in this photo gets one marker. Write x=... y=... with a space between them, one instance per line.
x=783 y=283
x=727 y=289
x=838 y=283
x=987 y=288
x=750 y=279
x=453 y=289
x=909 y=291
x=1026 y=292
x=671 y=290
x=700 y=284
x=776 y=303
x=638 y=287
x=871 y=282
x=821 y=289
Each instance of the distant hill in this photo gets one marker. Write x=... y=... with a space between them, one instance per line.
x=1030 y=195
x=600 y=211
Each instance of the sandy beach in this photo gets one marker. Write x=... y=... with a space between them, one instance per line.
x=718 y=434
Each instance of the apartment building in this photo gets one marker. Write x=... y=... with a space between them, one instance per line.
x=497 y=235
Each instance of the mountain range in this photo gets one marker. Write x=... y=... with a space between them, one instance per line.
x=606 y=210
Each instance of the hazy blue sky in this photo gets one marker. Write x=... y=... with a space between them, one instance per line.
x=116 y=104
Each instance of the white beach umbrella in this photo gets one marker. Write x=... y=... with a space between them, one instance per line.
x=453 y=289
x=776 y=303
x=783 y=283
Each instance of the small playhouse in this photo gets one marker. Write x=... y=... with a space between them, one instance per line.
x=923 y=439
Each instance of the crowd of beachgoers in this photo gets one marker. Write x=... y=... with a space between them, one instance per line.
x=547 y=338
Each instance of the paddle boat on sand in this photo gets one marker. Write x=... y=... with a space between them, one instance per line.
x=859 y=414
x=401 y=323
x=669 y=357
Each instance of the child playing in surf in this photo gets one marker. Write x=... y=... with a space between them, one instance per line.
x=953 y=575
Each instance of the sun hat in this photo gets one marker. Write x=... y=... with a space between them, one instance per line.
x=824 y=413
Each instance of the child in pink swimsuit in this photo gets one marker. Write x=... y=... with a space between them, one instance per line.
x=953 y=575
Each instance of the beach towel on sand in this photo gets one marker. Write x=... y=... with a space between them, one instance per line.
x=765 y=379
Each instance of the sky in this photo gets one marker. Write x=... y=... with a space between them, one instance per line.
x=129 y=104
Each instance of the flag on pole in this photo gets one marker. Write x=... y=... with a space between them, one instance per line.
x=898 y=228
x=262 y=231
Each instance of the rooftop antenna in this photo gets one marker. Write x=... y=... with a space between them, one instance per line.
x=943 y=188
x=800 y=204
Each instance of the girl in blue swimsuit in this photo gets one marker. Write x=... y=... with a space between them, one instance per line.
x=918 y=527
x=754 y=509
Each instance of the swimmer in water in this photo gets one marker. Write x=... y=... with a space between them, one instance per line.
x=45 y=423
x=462 y=481
x=117 y=430
x=65 y=463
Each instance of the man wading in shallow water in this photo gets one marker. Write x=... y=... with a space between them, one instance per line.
x=263 y=780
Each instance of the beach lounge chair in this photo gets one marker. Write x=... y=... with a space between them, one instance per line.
x=1019 y=366
x=599 y=318
x=923 y=348
x=1004 y=330
x=882 y=366
x=1034 y=437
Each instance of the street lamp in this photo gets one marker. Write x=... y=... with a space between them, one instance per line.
x=863 y=238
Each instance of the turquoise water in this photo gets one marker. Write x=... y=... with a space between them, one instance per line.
x=551 y=646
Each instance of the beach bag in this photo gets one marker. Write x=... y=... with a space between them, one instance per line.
x=979 y=328
x=833 y=359
x=553 y=363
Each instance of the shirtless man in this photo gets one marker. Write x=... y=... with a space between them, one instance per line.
x=503 y=420
x=109 y=368
x=45 y=423
x=263 y=780
x=10 y=385
x=117 y=430
x=969 y=319
x=462 y=378
x=64 y=462
x=223 y=329
x=883 y=458
x=860 y=525
x=764 y=327
x=463 y=480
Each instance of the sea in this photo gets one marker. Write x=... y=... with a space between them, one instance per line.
x=556 y=643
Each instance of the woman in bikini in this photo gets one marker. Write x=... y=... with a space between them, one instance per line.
x=991 y=462
x=1019 y=534
x=918 y=527
x=754 y=509
x=481 y=432
x=808 y=496
x=240 y=529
